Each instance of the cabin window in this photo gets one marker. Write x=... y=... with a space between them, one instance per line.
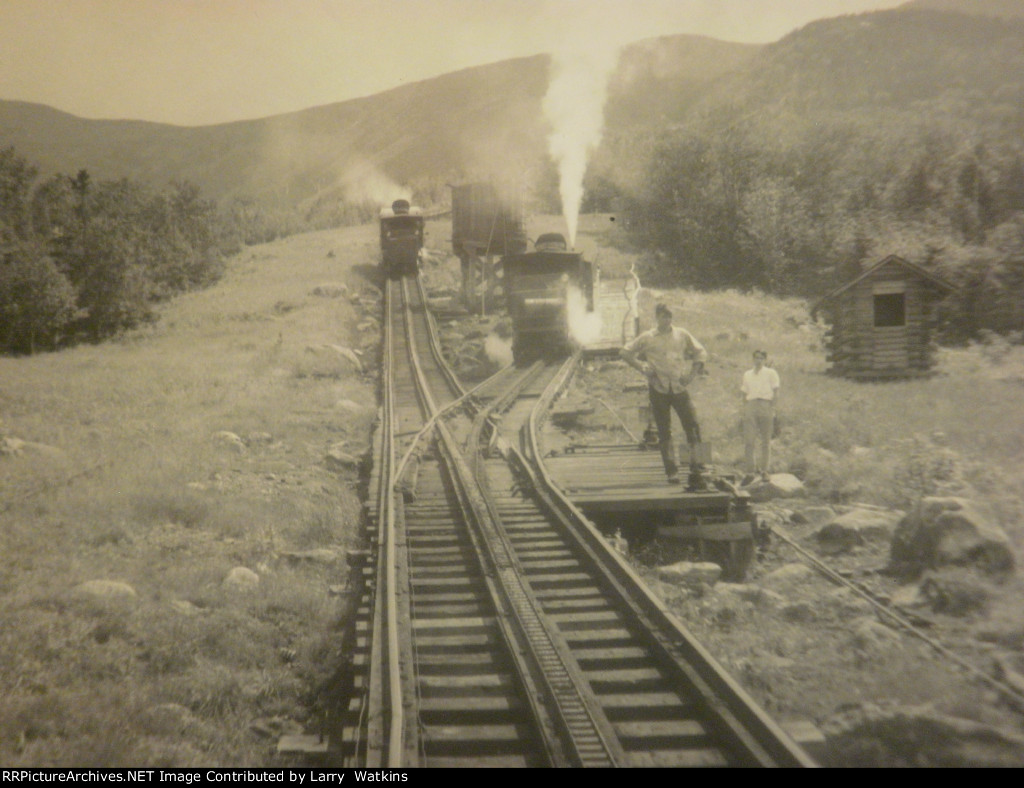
x=890 y=310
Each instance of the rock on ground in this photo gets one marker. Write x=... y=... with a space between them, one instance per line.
x=916 y=736
x=689 y=573
x=241 y=579
x=950 y=531
x=857 y=527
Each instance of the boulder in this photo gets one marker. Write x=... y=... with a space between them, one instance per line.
x=274 y=727
x=15 y=447
x=847 y=602
x=229 y=440
x=338 y=460
x=11 y=447
x=785 y=484
x=779 y=485
x=908 y=596
x=870 y=735
x=857 y=527
x=869 y=636
x=691 y=574
x=330 y=289
x=944 y=531
x=105 y=591
x=746 y=592
x=812 y=515
x=321 y=555
x=241 y=579
x=955 y=592
x=351 y=406
x=788 y=575
x=327 y=352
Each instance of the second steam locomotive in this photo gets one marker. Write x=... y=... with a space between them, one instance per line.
x=401 y=239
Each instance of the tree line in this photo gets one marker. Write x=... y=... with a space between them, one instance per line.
x=739 y=208
x=82 y=260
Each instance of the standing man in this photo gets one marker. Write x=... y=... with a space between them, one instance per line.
x=661 y=355
x=760 y=390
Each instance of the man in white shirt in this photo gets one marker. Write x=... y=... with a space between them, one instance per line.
x=661 y=355
x=760 y=390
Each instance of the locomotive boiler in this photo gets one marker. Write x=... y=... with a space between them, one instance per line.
x=401 y=239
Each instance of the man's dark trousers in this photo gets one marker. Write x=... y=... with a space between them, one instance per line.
x=662 y=406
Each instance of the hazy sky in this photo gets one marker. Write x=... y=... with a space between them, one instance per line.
x=195 y=62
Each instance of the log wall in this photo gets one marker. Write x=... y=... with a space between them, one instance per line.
x=859 y=349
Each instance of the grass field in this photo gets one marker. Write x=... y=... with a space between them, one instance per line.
x=164 y=461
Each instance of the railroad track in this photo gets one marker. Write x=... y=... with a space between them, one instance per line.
x=496 y=627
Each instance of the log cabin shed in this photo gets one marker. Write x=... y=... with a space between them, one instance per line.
x=882 y=321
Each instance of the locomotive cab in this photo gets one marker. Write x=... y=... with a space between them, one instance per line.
x=401 y=238
x=542 y=288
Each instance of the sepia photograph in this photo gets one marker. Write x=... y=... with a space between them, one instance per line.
x=509 y=384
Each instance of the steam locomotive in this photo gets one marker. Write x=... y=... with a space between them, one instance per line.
x=401 y=239
x=542 y=288
x=545 y=290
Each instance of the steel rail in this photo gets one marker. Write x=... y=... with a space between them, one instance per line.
x=511 y=621
x=736 y=715
x=587 y=731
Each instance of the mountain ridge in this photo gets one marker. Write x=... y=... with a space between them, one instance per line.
x=488 y=120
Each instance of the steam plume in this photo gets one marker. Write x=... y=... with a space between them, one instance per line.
x=574 y=106
x=498 y=349
x=363 y=181
x=584 y=326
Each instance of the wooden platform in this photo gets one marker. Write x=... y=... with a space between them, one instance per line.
x=623 y=479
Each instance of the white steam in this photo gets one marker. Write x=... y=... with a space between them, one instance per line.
x=584 y=326
x=574 y=106
x=498 y=349
x=362 y=181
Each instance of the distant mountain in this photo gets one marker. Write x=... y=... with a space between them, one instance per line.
x=475 y=121
x=1000 y=8
x=415 y=130
x=899 y=66
x=875 y=68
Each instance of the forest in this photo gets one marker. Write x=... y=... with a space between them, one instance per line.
x=845 y=142
x=82 y=260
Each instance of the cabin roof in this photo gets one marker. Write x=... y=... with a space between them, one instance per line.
x=921 y=272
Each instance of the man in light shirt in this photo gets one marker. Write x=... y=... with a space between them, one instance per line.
x=760 y=390
x=661 y=355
